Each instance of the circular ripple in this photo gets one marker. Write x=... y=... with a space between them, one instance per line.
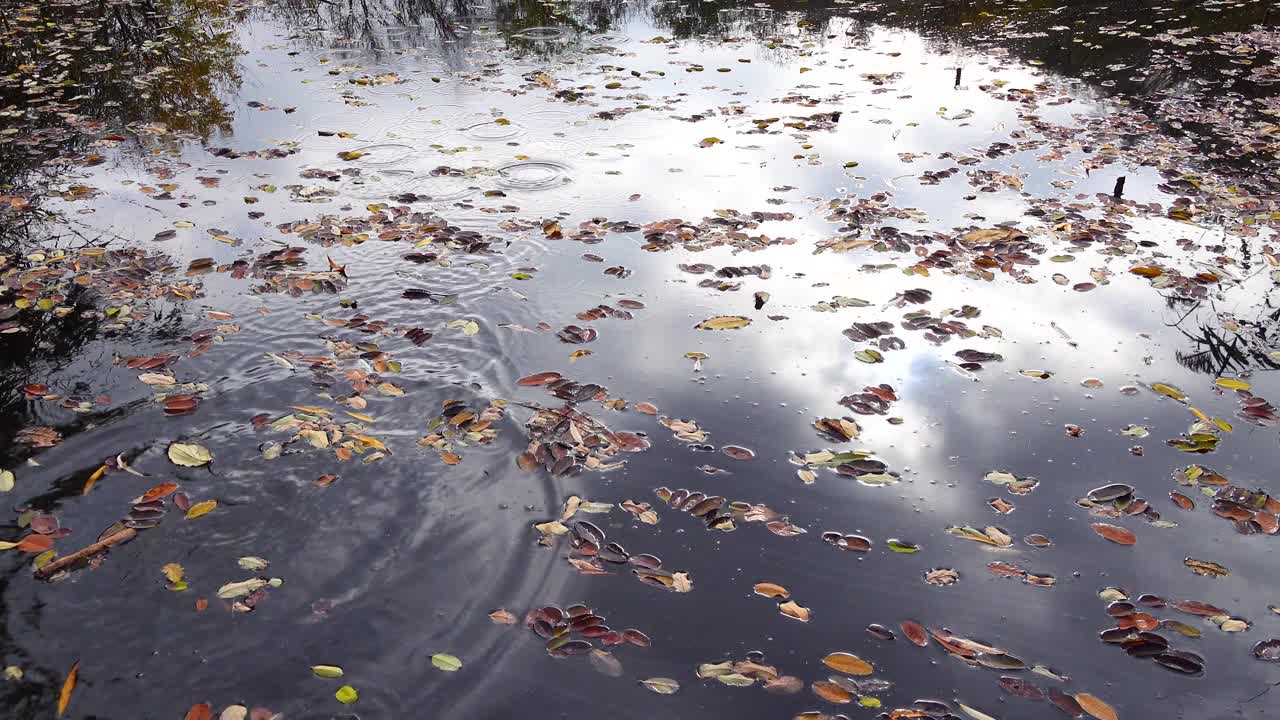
x=382 y=154
x=534 y=175
x=440 y=188
x=543 y=33
x=604 y=40
x=491 y=130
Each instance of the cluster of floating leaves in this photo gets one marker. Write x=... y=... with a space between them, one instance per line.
x=558 y=626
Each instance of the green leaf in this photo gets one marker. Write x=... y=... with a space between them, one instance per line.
x=446 y=662
x=900 y=546
x=327 y=671
x=347 y=695
x=189 y=455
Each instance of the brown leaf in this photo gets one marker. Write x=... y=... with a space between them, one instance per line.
x=1115 y=533
x=1207 y=568
x=832 y=692
x=502 y=616
x=915 y=633
x=542 y=378
x=200 y=711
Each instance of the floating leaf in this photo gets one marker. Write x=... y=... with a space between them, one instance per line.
x=203 y=507
x=1096 y=707
x=1169 y=391
x=832 y=692
x=793 y=610
x=502 y=617
x=446 y=662
x=661 y=685
x=915 y=632
x=869 y=356
x=1115 y=533
x=200 y=711
x=848 y=664
x=902 y=546
x=772 y=590
x=1207 y=568
x=6 y=480
x=250 y=562
x=327 y=671
x=189 y=455
x=234 y=590
x=1232 y=384
x=68 y=687
x=542 y=378
x=346 y=695
x=724 y=322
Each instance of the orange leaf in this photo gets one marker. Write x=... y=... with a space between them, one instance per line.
x=768 y=589
x=159 y=491
x=848 y=664
x=200 y=711
x=68 y=686
x=1096 y=707
x=35 y=543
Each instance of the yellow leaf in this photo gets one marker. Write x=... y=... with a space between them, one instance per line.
x=369 y=441
x=724 y=322
x=173 y=572
x=1169 y=391
x=360 y=416
x=93 y=479
x=68 y=686
x=201 y=508
x=1232 y=384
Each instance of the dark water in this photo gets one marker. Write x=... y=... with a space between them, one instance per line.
x=952 y=117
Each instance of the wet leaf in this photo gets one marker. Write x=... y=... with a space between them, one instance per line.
x=542 y=378
x=1114 y=533
x=772 y=590
x=199 y=711
x=902 y=546
x=832 y=692
x=203 y=507
x=1096 y=707
x=1207 y=568
x=915 y=632
x=346 y=695
x=6 y=481
x=724 y=322
x=233 y=590
x=326 y=671
x=446 y=662
x=605 y=663
x=189 y=455
x=848 y=664
x=68 y=687
x=1232 y=384
x=1168 y=391
x=502 y=617
x=661 y=685
x=793 y=610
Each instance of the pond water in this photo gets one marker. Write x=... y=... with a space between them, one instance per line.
x=368 y=326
